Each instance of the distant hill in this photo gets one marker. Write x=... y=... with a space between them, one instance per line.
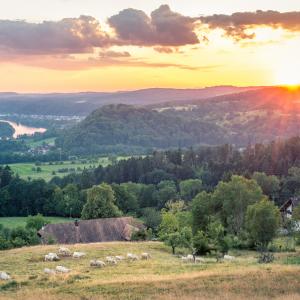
x=84 y=103
x=253 y=116
x=130 y=127
x=248 y=117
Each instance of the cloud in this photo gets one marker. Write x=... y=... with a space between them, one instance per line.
x=163 y=28
x=114 y=54
x=68 y=36
x=238 y=24
x=166 y=50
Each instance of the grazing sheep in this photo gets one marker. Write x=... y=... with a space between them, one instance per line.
x=4 y=276
x=145 y=256
x=229 y=257
x=78 y=254
x=62 y=269
x=199 y=260
x=49 y=271
x=119 y=258
x=190 y=257
x=97 y=263
x=111 y=260
x=65 y=252
x=184 y=259
x=51 y=257
x=131 y=256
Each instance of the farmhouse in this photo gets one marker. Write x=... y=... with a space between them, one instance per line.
x=91 y=231
x=287 y=208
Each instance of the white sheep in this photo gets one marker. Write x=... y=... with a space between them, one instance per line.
x=111 y=260
x=229 y=257
x=119 y=258
x=145 y=256
x=78 y=254
x=51 y=257
x=131 y=256
x=184 y=258
x=62 y=269
x=49 y=271
x=190 y=257
x=65 y=252
x=199 y=260
x=97 y=263
x=4 y=276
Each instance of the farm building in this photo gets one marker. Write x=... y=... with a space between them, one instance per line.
x=288 y=206
x=91 y=231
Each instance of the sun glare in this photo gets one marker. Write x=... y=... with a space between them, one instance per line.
x=288 y=75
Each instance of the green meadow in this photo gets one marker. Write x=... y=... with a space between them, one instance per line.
x=47 y=171
x=13 y=222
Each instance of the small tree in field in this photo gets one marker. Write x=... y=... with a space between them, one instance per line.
x=262 y=221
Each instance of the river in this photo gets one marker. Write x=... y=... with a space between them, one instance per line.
x=22 y=129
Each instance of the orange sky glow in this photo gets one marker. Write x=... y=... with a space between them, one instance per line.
x=72 y=46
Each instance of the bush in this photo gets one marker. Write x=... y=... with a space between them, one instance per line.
x=266 y=258
x=140 y=235
x=36 y=222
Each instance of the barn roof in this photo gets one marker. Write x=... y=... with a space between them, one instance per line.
x=91 y=231
x=294 y=201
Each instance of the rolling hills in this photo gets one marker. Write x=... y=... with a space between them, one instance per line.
x=249 y=117
x=84 y=103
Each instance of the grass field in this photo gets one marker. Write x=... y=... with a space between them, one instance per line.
x=164 y=276
x=31 y=143
x=25 y=170
x=13 y=222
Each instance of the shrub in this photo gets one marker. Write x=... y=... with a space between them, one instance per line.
x=36 y=222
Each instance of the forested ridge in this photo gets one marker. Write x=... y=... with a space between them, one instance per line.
x=136 y=127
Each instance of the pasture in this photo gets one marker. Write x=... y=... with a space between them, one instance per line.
x=164 y=276
x=13 y=222
x=47 y=171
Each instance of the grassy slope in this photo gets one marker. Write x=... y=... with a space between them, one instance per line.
x=162 y=277
x=32 y=143
x=25 y=169
x=13 y=222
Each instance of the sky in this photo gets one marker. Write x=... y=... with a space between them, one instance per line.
x=94 y=45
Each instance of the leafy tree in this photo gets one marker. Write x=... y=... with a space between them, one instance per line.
x=127 y=201
x=152 y=218
x=233 y=198
x=262 y=221
x=190 y=188
x=216 y=233
x=202 y=209
x=169 y=224
x=270 y=185
x=166 y=191
x=201 y=243
x=100 y=203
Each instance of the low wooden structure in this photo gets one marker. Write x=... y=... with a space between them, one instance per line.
x=91 y=231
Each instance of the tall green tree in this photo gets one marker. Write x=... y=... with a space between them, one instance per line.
x=233 y=198
x=190 y=188
x=100 y=203
x=262 y=222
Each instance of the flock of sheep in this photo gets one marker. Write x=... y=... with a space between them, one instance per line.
x=195 y=259
x=109 y=260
